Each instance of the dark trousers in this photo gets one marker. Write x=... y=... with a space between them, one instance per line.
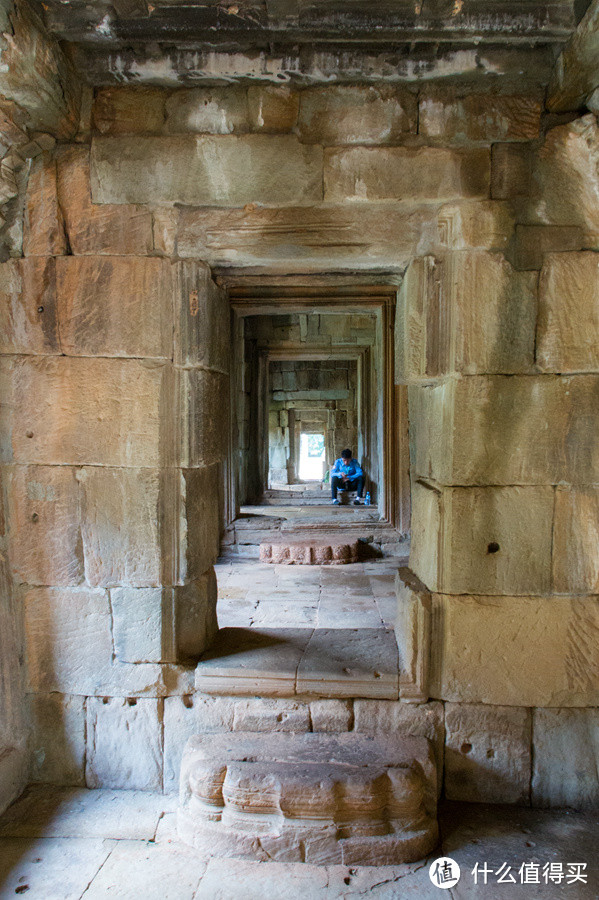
x=353 y=484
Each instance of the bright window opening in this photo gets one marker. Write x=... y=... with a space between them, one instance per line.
x=311 y=463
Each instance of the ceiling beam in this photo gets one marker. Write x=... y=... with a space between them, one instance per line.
x=576 y=73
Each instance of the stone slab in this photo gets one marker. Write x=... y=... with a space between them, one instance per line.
x=124 y=747
x=487 y=753
x=355 y=114
x=43 y=227
x=216 y=170
x=575 y=563
x=568 y=325
x=50 y=868
x=252 y=661
x=546 y=654
x=566 y=748
x=403 y=173
x=326 y=550
x=28 y=315
x=208 y=110
x=478 y=116
x=511 y=171
x=115 y=306
x=228 y=783
x=57 y=739
x=346 y=662
x=534 y=242
x=129 y=110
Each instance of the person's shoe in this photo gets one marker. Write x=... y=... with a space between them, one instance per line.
x=336 y=502
x=357 y=501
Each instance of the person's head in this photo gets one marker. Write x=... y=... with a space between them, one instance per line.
x=346 y=454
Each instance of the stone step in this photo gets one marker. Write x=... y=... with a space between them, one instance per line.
x=351 y=799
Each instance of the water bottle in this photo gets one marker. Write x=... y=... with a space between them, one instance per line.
x=367 y=499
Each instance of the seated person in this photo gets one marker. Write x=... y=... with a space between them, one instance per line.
x=347 y=475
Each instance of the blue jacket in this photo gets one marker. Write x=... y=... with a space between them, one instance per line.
x=352 y=469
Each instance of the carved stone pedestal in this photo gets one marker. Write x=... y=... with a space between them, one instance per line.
x=352 y=799
x=328 y=550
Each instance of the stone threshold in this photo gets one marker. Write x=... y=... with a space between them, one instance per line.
x=315 y=662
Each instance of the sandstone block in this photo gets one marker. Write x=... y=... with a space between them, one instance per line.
x=533 y=242
x=194 y=612
x=68 y=639
x=123 y=744
x=186 y=716
x=478 y=117
x=352 y=114
x=45 y=530
x=58 y=738
x=403 y=173
x=165 y=221
x=115 y=306
x=292 y=238
x=511 y=171
x=394 y=717
x=97 y=411
x=219 y=170
x=310 y=783
x=202 y=337
x=566 y=744
x=43 y=229
x=487 y=753
x=93 y=229
x=566 y=179
x=203 y=512
x=121 y=532
x=323 y=551
x=488 y=540
x=143 y=624
x=272 y=108
x=128 y=110
x=208 y=110
x=28 y=317
x=331 y=715
x=413 y=630
x=515 y=651
x=475 y=224
x=206 y=428
x=505 y=430
x=576 y=528
x=568 y=327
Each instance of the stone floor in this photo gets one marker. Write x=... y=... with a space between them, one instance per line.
x=323 y=631
x=70 y=843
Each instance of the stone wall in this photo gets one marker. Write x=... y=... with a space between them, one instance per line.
x=317 y=396
x=502 y=361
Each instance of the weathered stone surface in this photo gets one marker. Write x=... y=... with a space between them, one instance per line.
x=576 y=530
x=295 y=237
x=293 y=777
x=115 y=306
x=566 y=744
x=271 y=714
x=393 y=717
x=322 y=551
x=128 y=110
x=208 y=110
x=13 y=775
x=45 y=532
x=402 y=173
x=545 y=654
x=143 y=624
x=203 y=504
x=164 y=226
x=487 y=753
x=484 y=224
x=352 y=114
x=123 y=740
x=331 y=715
x=489 y=540
x=220 y=170
x=272 y=108
x=478 y=117
x=413 y=631
x=194 y=606
x=151 y=869
x=349 y=662
x=506 y=430
x=95 y=411
x=186 y=716
x=511 y=171
x=202 y=335
x=206 y=426
x=443 y=326
x=568 y=327
x=566 y=179
x=58 y=738
x=28 y=318
x=69 y=646
x=426 y=532
x=93 y=229
x=121 y=531
x=43 y=229
x=574 y=76
x=533 y=242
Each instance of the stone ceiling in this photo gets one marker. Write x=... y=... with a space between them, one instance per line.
x=307 y=41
